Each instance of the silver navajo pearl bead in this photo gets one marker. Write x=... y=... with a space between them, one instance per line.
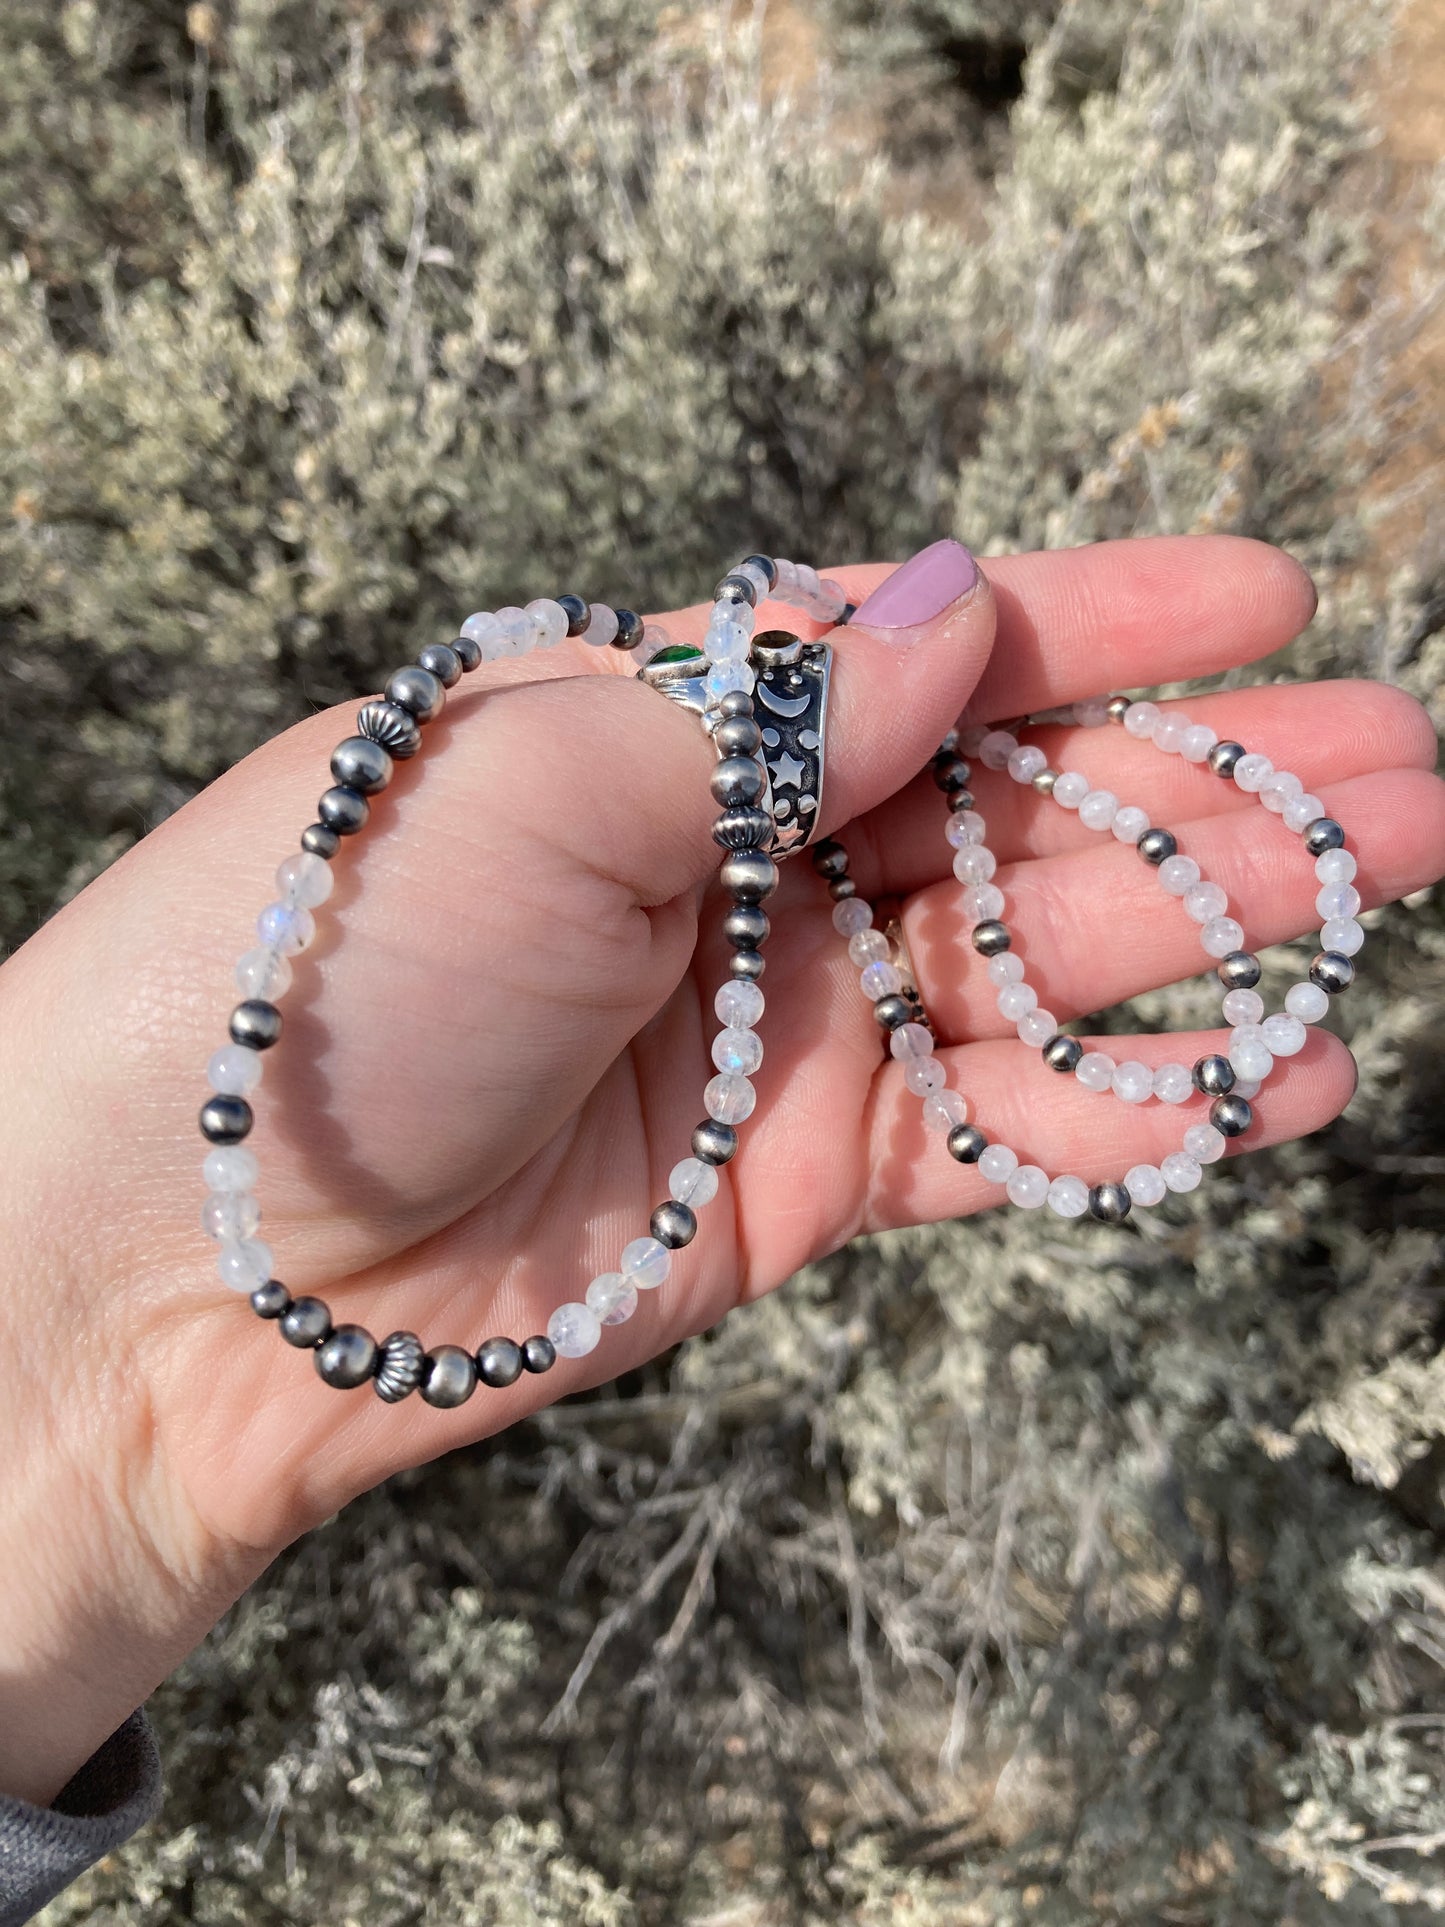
x=714 y=1143
x=673 y=1224
x=737 y=736
x=319 y=840
x=395 y=728
x=737 y=702
x=449 y=1377
x=736 y=588
x=1119 y=707
x=1332 y=971
x=399 y=1371
x=967 y=1143
x=736 y=780
x=539 y=1354
x=226 y=1120
x=748 y=876
x=442 y=661
x=892 y=1012
x=1155 y=845
x=1231 y=1116
x=577 y=612
x=747 y=964
x=1110 y=1203
x=347 y=1358
x=361 y=764
x=1321 y=835
x=747 y=829
x=467 y=652
x=1214 y=1075
x=746 y=927
x=630 y=629
x=1062 y=1053
x=841 y=888
x=418 y=690
x=829 y=859
x=1045 y=780
x=256 y=1024
x=306 y=1323
x=343 y=810
x=991 y=938
x=499 y=1362
x=1240 y=970
x=271 y=1300
x=1224 y=756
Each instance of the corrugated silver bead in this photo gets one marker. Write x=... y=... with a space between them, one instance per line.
x=397 y=1376
x=395 y=728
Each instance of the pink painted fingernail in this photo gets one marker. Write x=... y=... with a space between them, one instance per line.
x=921 y=589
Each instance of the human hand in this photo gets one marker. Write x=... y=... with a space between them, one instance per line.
x=495 y=1053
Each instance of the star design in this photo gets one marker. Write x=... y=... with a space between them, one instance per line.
x=788 y=772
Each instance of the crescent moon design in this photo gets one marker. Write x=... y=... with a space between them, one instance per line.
x=782 y=705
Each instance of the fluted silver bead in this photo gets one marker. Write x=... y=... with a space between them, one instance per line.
x=399 y=1371
x=746 y=829
x=395 y=728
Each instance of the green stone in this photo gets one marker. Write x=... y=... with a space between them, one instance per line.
x=677 y=652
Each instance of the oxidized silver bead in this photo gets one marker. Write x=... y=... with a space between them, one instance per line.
x=829 y=858
x=306 y=1323
x=673 y=1224
x=439 y=659
x=747 y=964
x=418 y=690
x=737 y=702
x=746 y=927
x=226 y=1120
x=395 y=728
x=1045 y=780
x=736 y=588
x=577 y=612
x=1231 y=1116
x=1110 y=1203
x=991 y=938
x=737 y=736
x=893 y=1011
x=766 y=564
x=967 y=1143
x=346 y=1358
x=1240 y=970
x=539 y=1354
x=449 y=1377
x=467 y=652
x=1062 y=1053
x=499 y=1362
x=403 y=1358
x=714 y=1143
x=256 y=1024
x=748 y=876
x=747 y=829
x=361 y=764
x=841 y=888
x=1119 y=707
x=1321 y=835
x=271 y=1300
x=1223 y=757
x=344 y=810
x=1213 y=1075
x=736 y=780
x=950 y=774
x=629 y=629
x=317 y=839
x=1154 y=846
x=1332 y=971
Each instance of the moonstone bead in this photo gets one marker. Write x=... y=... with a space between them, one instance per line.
x=482 y=628
x=1026 y=762
x=1098 y=809
x=1177 y=875
x=1168 y=733
x=1016 y=1000
x=230 y=1217
x=738 y=1051
x=868 y=946
x=998 y=1163
x=1284 y=1033
x=1205 y=900
x=924 y=1075
x=966 y=826
x=728 y=1098
x=549 y=622
x=879 y=979
x=611 y=1298
x=1342 y=934
x=1027 y=1186
x=737 y=1004
x=1129 y=825
x=1246 y=1087
x=306 y=880
x=1249 y=1055
x=1337 y=901
x=1092 y=713
x=1180 y=1171
x=244 y=1264
x=942 y=1110
x=693 y=1182
x=1133 y=1082
x=996 y=748
x=286 y=927
x=851 y=915
x=601 y=625
x=1069 y=1197
x=1335 y=866
x=1173 y=1084
x=1301 y=811
x=1071 y=789
x=974 y=864
x=1307 y=1002
x=1204 y=1144
x=727 y=642
x=983 y=902
x=1251 y=773
x=1005 y=968
x=1195 y=745
x=1145 y=1184
x=1243 y=1007
x=725 y=677
x=1221 y=935
x=517 y=630
x=263 y=973
x=233 y=1167
x=1279 y=789
x=574 y=1330
x=910 y=1041
x=1095 y=1070
x=1036 y=1027
x=646 y=1263
x=1140 y=718
x=234 y=1071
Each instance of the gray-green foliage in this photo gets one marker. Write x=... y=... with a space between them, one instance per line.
x=990 y=1573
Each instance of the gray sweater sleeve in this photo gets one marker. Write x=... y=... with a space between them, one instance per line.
x=42 y=1849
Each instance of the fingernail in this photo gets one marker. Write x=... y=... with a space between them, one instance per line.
x=921 y=589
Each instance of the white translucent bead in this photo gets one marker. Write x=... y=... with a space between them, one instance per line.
x=1005 y=968
x=738 y=1004
x=480 y=626
x=1301 y=811
x=998 y=1163
x=738 y=1051
x=1251 y=773
x=1205 y=900
x=1027 y=1186
x=1130 y=823
x=965 y=826
x=574 y=1330
x=982 y=902
x=737 y=612
x=1284 y=1033
x=230 y=1216
x=974 y=864
x=850 y=916
x=286 y=927
x=1133 y=1082
x=808 y=579
x=693 y=1182
x=1180 y=1171
x=911 y=1040
x=1036 y=1027
x=1140 y=718
x=868 y=946
x=755 y=573
x=787 y=573
x=880 y=980
x=1098 y=810
x=1177 y=875
x=234 y=1070
x=1092 y=713
x=645 y=1263
x=1342 y=934
x=1247 y=1087
x=1307 y=1002
x=601 y=625
x=727 y=642
x=1145 y=1184
x=611 y=1298
x=549 y=622
x=1197 y=742
x=1337 y=901
x=1095 y=1070
x=1071 y=789
x=306 y=880
x=1279 y=789
x=996 y=748
x=1173 y=1083
x=1069 y=1197
x=831 y=600
x=1243 y=1007
x=1335 y=866
x=924 y=1075
x=1015 y=1000
x=518 y=634
x=230 y=1167
x=942 y=1110
x=1168 y=733
x=263 y=973
x=1249 y=1055
x=723 y=678
x=244 y=1265
x=729 y=1099
x=1204 y=1144
x=1221 y=935
x=1026 y=762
